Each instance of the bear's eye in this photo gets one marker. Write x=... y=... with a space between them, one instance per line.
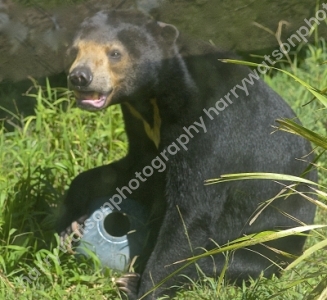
x=115 y=54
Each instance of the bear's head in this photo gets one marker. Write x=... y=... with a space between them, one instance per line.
x=117 y=56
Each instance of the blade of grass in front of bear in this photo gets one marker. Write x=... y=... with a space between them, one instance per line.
x=307 y=253
x=263 y=176
x=295 y=128
x=320 y=95
x=243 y=242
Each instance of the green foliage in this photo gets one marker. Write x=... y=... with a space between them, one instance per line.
x=39 y=159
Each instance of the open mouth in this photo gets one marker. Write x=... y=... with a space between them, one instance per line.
x=91 y=100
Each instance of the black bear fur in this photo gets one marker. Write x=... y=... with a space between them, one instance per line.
x=125 y=57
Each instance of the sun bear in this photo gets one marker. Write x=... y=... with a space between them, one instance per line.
x=188 y=117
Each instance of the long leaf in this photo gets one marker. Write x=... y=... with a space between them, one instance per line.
x=307 y=253
x=263 y=176
x=295 y=128
x=317 y=93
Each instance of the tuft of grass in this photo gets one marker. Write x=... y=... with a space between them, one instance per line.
x=39 y=159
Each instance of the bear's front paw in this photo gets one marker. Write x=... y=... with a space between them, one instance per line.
x=128 y=284
x=72 y=234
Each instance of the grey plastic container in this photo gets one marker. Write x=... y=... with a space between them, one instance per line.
x=115 y=236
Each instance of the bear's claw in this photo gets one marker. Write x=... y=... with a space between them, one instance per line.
x=71 y=233
x=128 y=284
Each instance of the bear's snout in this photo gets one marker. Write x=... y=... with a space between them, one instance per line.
x=80 y=77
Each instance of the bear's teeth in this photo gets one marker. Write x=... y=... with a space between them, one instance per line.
x=94 y=96
x=87 y=95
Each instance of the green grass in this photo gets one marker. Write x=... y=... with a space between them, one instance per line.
x=47 y=150
x=39 y=159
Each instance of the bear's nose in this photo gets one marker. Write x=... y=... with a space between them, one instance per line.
x=80 y=77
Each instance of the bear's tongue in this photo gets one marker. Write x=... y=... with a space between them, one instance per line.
x=90 y=98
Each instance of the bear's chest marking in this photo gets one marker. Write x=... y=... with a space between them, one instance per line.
x=153 y=132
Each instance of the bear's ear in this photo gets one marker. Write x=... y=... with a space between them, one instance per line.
x=168 y=31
